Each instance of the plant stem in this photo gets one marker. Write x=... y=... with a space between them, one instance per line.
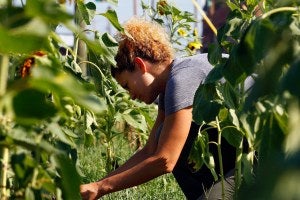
x=206 y=19
x=3 y=74
x=281 y=9
x=5 y=152
x=220 y=158
x=238 y=167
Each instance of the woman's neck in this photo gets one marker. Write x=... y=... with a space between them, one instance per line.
x=161 y=73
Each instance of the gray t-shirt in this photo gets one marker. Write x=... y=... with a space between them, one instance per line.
x=186 y=75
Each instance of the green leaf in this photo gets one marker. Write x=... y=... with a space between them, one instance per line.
x=30 y=27
x=69 y=177
x=16 y=17
x=21 y=34
x=260 y=34
x=108 y=40
x=89 y=140
x=292 y=140
x=20 y=42
x=233 y=136
x=234 y=118
x=215 y=53
x=93 y=45
x=57 y=132
x=207 y=104
x=29 y=195
x=291 y=80
x=214 y=75
x=91 y=8
x=111 y=15
x=272 y=139
x=233 y=69
x=69 y=132
x=48 y=10
x=87 y=11
x=135 y=121
x=210 y=163
x=247 y=162
x=32 y=105
x=62 y=84
x=197 y=151
x=232 y=5
x=90 y=119
x=27 y=140
x=230 y=96
x=45 y=181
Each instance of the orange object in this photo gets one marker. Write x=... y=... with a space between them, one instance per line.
x=28 y=63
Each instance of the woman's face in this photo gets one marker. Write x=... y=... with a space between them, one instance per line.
x=139 y=84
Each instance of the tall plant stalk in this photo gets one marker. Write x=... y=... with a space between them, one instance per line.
x=4 y=150
x=206 y=19
x=220 y=157
x=238 y=167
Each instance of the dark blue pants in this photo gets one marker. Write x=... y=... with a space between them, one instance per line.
x=197 y=185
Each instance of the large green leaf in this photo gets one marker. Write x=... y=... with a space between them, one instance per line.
x=93 y=45
x=87 y=11
x=261 y=34
x=26 y=42
x=20 y=33
x=29 y=140
x=272 y=140
x=135 y=120
x=108 y=40
x=214 y=75
x=48 y=10
x=58 y=133
x=233 y=70
x=111 y=15
x=276 y=62
x=215 y=54
x=69 y=178
x=207 y=104
x=197 y=152
x=230 y=96
x=291 y=80
x=232 y=136
x=61 y=84
x=251 y=49
x=12 y=17
x=32 y=105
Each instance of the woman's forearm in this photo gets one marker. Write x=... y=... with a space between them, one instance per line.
x=133 y=160
x=126 y=177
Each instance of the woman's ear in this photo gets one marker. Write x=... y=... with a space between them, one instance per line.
x=139 y=62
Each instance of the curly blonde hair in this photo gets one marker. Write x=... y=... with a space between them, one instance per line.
x=144 y=39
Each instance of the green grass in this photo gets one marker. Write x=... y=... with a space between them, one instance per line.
x=92 y=163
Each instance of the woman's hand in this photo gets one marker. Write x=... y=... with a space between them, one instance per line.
x=89 y=191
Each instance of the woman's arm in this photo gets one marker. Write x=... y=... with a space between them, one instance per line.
x=90 y=190
x=146 y=151
x=153 y=161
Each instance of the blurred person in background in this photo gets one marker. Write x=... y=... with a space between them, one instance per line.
x=216 y=11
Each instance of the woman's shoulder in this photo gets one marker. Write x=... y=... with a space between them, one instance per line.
x=198 y=62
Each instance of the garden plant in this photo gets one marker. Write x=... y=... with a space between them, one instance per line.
x=51 y=111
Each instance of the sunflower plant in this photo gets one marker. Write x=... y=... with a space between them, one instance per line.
x=261 y=39
x=48 y=106
x=179 y=25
